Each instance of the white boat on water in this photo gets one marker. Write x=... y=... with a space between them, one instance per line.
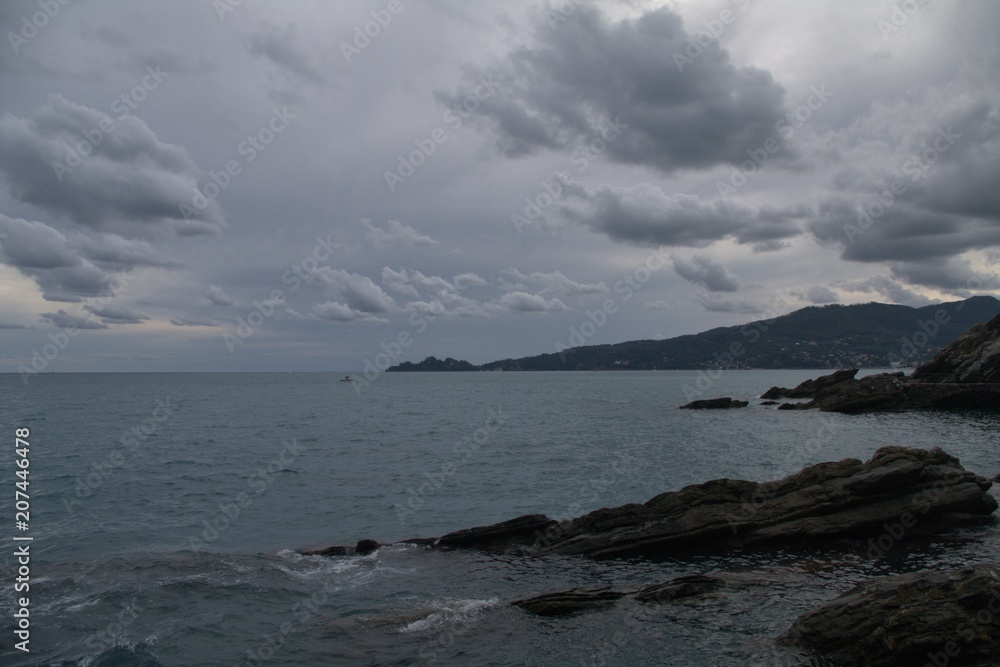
x=347 y=378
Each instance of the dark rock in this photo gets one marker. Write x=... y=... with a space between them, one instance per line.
x=963 y=376
x=363 y=548
x=366 y=547
x=576 y=600
x=769 y=403
x=571 y=601
x=810 y=388
x=973 y=357
x=715 y=404
x=329 y=551
x=825 y=500
x=892 y=392
x=522 y=530
x=907 y=619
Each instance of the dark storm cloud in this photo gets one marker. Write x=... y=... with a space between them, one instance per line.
x=589 y=75
x=951 y=275
x=933 y=196
x=643 y=214
x=68 y=268
x=108 y=174
x=701 y=270
x=902 y=233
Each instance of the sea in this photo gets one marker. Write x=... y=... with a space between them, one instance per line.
x=167 y=512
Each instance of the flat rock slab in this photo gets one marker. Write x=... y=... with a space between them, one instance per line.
x=919 y=618
x=715 y=404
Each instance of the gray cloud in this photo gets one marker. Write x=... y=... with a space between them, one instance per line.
x=359 y=292
x=281 y=47
x=720 y=303
x=701 y=270
x=644 y=215
x=817 y=294
x=522 y=302
x=130 y=183
x=116 y=314
x=192 y=322
x=217 y=296
x=574 y=81
x=64 y=320
x=397 y=233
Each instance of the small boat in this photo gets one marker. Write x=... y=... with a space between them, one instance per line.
x=347 y=378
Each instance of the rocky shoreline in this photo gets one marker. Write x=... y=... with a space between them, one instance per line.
x=900 y=491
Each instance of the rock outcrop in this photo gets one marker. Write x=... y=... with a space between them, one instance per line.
x=972 y=358
x=715 y=404
x=810 y=388
x=965 y=375
x=826 y=500
x=926 y=617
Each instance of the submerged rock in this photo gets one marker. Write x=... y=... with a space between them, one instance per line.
x=715 y=404
x=926 y=617
x=576 y=600
x=364 y=547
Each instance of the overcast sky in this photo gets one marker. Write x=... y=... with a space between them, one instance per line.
x=307 y=185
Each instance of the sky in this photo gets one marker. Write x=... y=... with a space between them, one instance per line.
x=332 y=186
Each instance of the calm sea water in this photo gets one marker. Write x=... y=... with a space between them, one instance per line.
x=166 y=510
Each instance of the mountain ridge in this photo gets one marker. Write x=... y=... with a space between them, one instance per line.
x=871 y=335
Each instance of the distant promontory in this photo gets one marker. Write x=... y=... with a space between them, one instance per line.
x=869 y=335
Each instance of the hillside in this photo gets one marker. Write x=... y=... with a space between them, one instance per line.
x=871 y=335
